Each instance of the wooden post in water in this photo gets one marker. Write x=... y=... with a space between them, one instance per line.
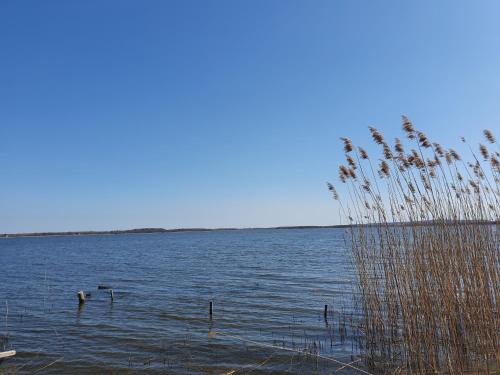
x=7 y=354
x=326 y=312
x=81 y=297
x=210 y=309
x=112 y=295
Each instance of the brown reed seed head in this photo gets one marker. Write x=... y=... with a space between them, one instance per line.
x=398 y=146
x=376 y=135
x=454 y=154
x=384 y=169
x=489 y=135
x=343 y=173
x=425 y=182
x=406 y=163
x=478 y=171
x=474 y=185
x=484 y=151
x=362 y=153
x=387 y=151
x=424 y=142
x=333 y=190
x=495 y=164
x=449 y=158
x=347 y=144
x=416 y=160
x=351 y=162
x=438 y=149
x=366 y=185
x=407 y=125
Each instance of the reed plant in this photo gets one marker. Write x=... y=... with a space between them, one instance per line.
x=424 y=239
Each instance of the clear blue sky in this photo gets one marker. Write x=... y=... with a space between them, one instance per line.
x=121 y=114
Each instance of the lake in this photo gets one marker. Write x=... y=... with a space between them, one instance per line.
x=268 y=287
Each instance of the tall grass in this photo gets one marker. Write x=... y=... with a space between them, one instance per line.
x=424 y=240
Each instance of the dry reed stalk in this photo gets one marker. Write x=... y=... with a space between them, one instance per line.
x=425 y=245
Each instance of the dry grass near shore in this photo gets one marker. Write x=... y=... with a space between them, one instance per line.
x=429 y=287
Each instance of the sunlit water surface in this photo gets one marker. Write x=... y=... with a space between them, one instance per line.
x=268 y=287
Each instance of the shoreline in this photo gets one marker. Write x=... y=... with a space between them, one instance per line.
x=178 y=230
x=154 y=231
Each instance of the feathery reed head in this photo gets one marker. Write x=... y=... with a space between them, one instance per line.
x=347 y=144
x=489 y=135
x=495 y=164
x=398 y=146
x=387 y=151
x=484 y=151
x=416 y=160
x=407 y=125
x=438 y=149
x=424 y=142
x=366 y=185
x=376 y=135
x=384 y=169
x=343 y=173
x=449 y=158
x=454 y=154
x=351 y=162
x=333 y=190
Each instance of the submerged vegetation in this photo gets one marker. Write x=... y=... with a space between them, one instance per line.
x=428 y=294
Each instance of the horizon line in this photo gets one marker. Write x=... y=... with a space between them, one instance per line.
x=153 y=230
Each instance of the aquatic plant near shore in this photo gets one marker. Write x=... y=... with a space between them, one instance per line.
x=424 y=240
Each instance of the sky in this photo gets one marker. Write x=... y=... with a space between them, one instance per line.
x=123 y=114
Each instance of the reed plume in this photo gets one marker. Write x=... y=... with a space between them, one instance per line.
x=489 y=136
x=347 y=144
x=376 y=135
x=484 y=151
x=362 y=153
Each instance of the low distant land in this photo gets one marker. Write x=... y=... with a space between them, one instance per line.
x=153 y=230
x=163 y=230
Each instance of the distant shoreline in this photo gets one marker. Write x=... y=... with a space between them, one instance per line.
x=163 y=230
x=153 y=231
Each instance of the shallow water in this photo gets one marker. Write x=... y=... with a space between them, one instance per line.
x=268 y=287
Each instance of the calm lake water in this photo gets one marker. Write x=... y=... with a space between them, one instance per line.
x=269 y=288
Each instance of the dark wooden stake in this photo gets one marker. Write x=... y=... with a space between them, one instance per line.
x=81 y=297
x=112 y=295
x=326 y=311
x=211 y=308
